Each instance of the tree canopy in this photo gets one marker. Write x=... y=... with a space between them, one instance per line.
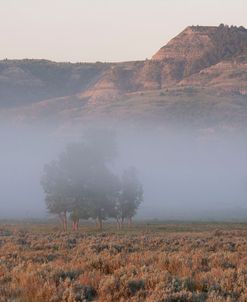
x=82 y=183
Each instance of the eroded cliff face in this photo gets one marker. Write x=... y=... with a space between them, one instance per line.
x=185 y=54
x=197 y=48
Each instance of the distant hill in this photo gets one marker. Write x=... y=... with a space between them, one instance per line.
x=26 y=81
x=199 y=78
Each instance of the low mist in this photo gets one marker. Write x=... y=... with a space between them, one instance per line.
x=185 y=175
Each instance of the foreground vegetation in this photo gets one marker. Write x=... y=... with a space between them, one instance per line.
x=149 y=262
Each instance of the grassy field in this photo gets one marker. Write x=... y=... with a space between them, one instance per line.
x=151 y=261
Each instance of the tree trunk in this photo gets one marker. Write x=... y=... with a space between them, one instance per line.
x=77 y=225
x=122 y=222
x=65 y=222
x=130 y=221
x=100 y=224
x=61 y=220
x=118 y=224
x=74 y=225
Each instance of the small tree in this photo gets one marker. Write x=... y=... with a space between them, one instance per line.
x=57 y=190
x=130 y=198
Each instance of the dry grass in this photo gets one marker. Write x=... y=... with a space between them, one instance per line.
x=148 y=263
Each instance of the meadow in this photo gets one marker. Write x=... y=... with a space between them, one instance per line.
x=153 y=262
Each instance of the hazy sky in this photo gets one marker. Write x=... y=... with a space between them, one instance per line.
x=104 y=30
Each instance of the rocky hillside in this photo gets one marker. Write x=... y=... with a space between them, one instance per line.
x=202 y=65
x=26 y=81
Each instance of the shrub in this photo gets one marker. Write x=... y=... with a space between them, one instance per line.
x=135 y=285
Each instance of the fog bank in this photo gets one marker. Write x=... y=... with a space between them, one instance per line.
x=184 y=176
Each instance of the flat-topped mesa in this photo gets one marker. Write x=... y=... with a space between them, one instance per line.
x=195 y=41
